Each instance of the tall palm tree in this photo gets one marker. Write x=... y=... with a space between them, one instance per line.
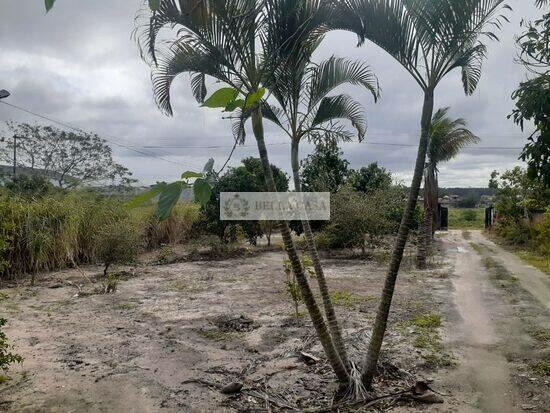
x=304 y=109
x=447 y=137
x=227 y=40
x=429 y=39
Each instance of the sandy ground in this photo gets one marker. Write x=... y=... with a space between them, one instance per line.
x=143 y=348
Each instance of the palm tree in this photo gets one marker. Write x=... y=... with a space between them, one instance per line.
x=304 y=108
x=429 y=39
x=227 y=40
x=447 y=138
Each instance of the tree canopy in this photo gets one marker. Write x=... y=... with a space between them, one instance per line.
x=68 y=158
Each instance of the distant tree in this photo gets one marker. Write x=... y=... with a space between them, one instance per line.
x=493 y=181
x=324 y=169
x=533 y=96
x=246 y=178
x=370 y=178
x=68 y=158
x=467 y=203
x=518 y=194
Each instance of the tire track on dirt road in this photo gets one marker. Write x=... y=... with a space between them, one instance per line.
x=483 y=370
x=531 y=279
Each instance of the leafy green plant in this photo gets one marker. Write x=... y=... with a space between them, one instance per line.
x=292 y=287
x=6 y=355
x=169 y=193
x=117 y=242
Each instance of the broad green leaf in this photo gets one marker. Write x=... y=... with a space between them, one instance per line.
x=234 y=104
x=221 y=98
x=253 y=98
x=191 y=174
x=208 y=166
x=146 y=196
x=49 y=4
x=169 y=198
x=154 y=5
x=202 y=191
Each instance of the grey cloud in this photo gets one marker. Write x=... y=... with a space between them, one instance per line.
x=79 y=64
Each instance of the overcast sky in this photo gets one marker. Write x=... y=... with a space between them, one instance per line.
x=79 y=65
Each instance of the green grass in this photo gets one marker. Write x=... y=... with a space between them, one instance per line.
x=466 y=218
x=542 y=368
x=346 y=299
x=427 y=320
x=428 y=339
x=536 y=260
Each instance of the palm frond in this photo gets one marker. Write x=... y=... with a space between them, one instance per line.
x=448 y=137
x=198 y=86
x=269 y=112
x=340 y=107
x=335 y=72
x=430 y=38
x=181 y=58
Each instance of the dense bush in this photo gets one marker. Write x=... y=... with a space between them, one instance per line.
x=177 y=228
x=6 y=355
x=358 y=219
x=60 y=230
x=117 y=241
x=34 y=186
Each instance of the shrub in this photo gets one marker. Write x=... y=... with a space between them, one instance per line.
x=116 y=242
x=543 y=235
x=469 y=215
x=514 y=231
x=357 y=218
x=35 y=186
x=6 y=356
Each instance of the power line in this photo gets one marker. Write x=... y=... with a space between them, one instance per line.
x=68 y=126
x=149 y=154
x=406 y=145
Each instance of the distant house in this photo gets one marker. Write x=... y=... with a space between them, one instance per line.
x=450 y=200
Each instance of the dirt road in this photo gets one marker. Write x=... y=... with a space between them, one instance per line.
x=494 y=343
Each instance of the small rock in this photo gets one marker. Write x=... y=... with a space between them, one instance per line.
x=232 y=388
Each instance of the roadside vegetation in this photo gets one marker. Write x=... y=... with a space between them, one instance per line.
x=522 y=206
x=466 y=218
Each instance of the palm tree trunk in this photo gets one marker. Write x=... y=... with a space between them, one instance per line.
x=425 y=231
x=307 y=295
x=371 y=359
x=332 y=320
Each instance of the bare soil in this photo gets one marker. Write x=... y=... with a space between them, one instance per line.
x=172 y=335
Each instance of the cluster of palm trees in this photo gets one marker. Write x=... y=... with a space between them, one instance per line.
x=252 y=46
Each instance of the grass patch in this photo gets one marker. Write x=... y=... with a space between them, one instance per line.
x=428 y=339
x=543 y=336
x=217 y=335
x=431 y=320
x=536 y=260
x=346 y=299
x=466 y=218
x=479 y=248
x=127 y=306
x=498 y=271
x=180 y=286
x=542 y=368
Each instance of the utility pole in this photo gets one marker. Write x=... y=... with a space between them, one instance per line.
x=14 y=155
